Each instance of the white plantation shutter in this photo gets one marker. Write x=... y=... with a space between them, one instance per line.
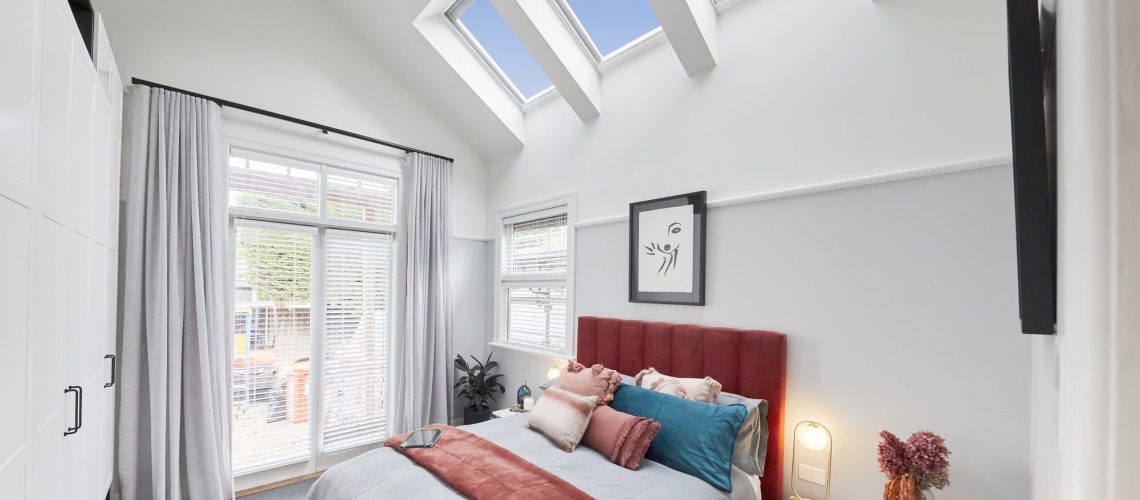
x=533 y=280
x=357 y=319
x=272 y=333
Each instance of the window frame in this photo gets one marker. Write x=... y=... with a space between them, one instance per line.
x=322 y=167
x=604 y=62
x=555 y=205
x=319 y=225
x=472 y=43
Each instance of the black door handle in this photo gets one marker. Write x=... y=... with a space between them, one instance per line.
x=112 y=382
x=78 y=409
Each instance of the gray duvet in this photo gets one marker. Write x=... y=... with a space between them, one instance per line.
x=384 y=474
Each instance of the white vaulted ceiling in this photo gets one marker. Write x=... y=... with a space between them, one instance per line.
x=418 y=41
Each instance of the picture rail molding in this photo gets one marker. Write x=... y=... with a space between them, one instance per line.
x=853 y=182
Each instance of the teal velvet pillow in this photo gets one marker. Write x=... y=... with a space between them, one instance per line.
x=695 y=438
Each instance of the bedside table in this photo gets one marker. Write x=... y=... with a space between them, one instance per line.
x=506 y=412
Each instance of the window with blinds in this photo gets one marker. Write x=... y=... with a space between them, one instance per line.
x=533 y=280
x=272 y=345
x=358 y=270
x=279 y=185
x=312 y=288
x=357 y=198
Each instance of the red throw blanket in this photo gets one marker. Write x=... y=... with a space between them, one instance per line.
x=480 y=469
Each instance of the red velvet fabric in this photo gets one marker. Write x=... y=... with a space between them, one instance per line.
x=752 y=363
x=480 y=469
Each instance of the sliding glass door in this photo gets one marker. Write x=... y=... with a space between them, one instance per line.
x=273 y=345
x=312 y=314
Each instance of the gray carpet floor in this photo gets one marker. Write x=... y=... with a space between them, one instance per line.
x=295 y=491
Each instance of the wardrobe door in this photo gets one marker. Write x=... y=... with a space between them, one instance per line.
x=77 y=371
x=95 y=335
x=111 y=374
x=49 y=329
x=15 y=222
x=55 y=110
x=79 y=156
x=100 y=156
x=19 y=87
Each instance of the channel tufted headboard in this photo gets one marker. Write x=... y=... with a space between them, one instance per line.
x=751 y=363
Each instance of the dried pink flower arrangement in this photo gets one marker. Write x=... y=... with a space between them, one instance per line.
x=920 y=463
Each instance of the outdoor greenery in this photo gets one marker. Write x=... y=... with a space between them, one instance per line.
x=277 y=265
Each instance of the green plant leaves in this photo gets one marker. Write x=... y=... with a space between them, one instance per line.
x=478 y=384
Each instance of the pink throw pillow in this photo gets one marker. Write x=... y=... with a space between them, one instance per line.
x=621 y=437
x=594 y=381
x=635 y=446
x=562 y=416
x=704 y=390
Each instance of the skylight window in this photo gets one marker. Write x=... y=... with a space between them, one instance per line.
x=502 y=51
x=606 y=26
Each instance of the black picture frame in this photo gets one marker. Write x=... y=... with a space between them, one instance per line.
x=700 y=222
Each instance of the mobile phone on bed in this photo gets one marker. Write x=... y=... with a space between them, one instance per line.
x=424 y=438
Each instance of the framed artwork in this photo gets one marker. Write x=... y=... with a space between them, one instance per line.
x=667 y=250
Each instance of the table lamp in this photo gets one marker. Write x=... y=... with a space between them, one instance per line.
x=811 y=436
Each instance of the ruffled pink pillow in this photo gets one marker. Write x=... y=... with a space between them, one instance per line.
x=704 y=390
x=596 y=381
x=621 y=437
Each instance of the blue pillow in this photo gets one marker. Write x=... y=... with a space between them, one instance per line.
x=695 y=438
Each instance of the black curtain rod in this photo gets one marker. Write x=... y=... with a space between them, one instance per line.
x=323 y=128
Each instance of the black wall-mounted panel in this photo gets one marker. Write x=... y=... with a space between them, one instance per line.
x=1035 y=193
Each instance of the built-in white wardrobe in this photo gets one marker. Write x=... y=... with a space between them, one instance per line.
x=60 y=127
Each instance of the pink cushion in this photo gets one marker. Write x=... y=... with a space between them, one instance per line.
x=621 y=437
x=635 y=446
x=562 y=416
x=596 y=381
x=704 y=390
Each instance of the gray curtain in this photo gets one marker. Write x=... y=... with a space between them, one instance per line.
x=173 y=440
x=421 y=371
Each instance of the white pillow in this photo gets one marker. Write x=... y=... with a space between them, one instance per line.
x=562 y=416
x=704 y=390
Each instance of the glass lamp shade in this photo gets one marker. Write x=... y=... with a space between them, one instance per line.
x=524 y=392
x=813 y=436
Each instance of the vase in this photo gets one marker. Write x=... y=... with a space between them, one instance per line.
x=524 y=391
x=902 y=487
x=928 y=494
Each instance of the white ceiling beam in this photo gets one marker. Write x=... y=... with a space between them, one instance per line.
x=541 y=30
x=690 y=26
x=466 y=67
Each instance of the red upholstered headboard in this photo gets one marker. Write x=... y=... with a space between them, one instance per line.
x=751 y=363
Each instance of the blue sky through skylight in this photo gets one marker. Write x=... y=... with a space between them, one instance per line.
x=612 y=24
x=492 y=32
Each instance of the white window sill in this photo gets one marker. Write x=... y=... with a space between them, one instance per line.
x=528 y=350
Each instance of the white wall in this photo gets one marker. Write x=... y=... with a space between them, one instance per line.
x=468 y=294
x=804 y=92
x=899 y=298
x=295 y=58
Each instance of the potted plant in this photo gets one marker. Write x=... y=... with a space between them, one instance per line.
x=478 y=387
x=913 y=467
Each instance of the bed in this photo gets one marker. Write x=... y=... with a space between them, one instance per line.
x=751 y=363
